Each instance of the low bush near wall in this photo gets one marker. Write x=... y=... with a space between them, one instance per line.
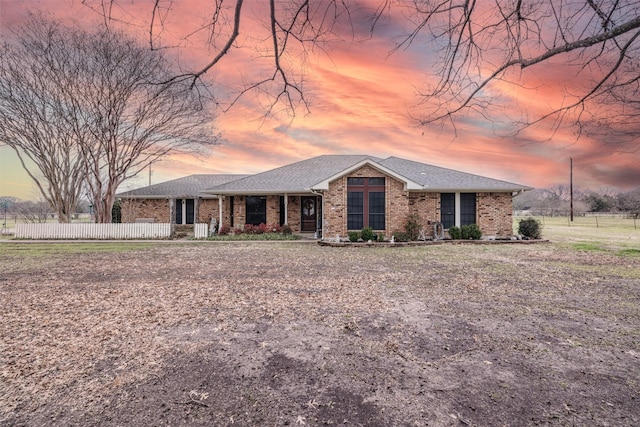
x=530 y=228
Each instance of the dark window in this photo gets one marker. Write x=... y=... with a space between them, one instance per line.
x=178 y=211
x=376 y=210
x=256 y=210
x=190 y=210
x=231 y=208
x=355 y=210
x=366 y=203
x=448 y=209
x=467 y=208
x=283 y=220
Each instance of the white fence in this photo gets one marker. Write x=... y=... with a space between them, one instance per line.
x=93 y=231
x=201 y=231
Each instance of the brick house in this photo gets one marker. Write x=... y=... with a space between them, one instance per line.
x=333 y=194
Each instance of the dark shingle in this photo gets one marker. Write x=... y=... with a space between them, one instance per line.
x=187 y=187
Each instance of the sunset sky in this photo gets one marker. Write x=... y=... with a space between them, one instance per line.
x=362 y=101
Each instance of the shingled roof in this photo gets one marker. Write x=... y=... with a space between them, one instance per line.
x=293 y=178
x=446 y=180
x=188 y=187
x=314 y=173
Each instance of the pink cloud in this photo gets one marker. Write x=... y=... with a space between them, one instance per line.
x=361 y=101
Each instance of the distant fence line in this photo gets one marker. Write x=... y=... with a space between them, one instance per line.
x=593 y=221
x=546 y=213
x=93 y=231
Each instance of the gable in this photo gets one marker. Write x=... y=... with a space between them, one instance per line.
x=363 y=167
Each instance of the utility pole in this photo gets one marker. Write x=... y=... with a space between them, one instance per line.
x=571 y=187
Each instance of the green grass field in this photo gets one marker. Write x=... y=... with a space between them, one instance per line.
x=603 y=233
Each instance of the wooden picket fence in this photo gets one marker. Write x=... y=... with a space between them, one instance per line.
x=201 y=231
x=94 y=231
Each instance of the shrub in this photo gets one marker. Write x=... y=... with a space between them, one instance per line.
x=237 y=231
x=530 y=227
x=353 y=236
x=412 y=227
x=286 y=230
x=275 y=228
x=224 y=230
x=367 y=234
x=471 y=232
x=401 y=236
x=455 y=233
x=381 y=237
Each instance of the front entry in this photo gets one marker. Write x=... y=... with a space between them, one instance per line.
x=185 y=211
x=309 y=213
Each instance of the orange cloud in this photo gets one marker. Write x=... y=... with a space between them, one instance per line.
x=361 y=100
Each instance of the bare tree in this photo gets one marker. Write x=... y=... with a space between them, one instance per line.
x=287 y=31
x=478 y=49
x=485 y=44
x=92 y=109
x=34 y=212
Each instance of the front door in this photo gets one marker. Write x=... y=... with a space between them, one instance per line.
x=309 y=213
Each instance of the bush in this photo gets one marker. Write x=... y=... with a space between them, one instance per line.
x=455 y=233
x=275 y=228
x=471 y=232
x=401 y=236
x=285 y=230
x=224 y=230
x=530 y=227
x=353 y=236
x=367 y=234
x=412 y=227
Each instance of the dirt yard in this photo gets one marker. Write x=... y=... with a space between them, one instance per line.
x=277 y=334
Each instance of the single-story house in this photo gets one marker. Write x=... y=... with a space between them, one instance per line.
x=331 y=195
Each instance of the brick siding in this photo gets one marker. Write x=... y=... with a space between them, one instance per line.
x=493 y=210
x=493 y=213
x=158 y=209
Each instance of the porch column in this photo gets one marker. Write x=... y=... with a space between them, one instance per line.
x=220 y=202
x=457 y=209
x=172 y=215
x=286 y=209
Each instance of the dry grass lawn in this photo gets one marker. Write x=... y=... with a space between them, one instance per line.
x=296 y=334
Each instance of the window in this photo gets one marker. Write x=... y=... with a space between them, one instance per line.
x=185 y=211
x=355 y=210
x=256 y=210
x=467 y=208
x=365 y=203
x=448 y=209
x=465 y=205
